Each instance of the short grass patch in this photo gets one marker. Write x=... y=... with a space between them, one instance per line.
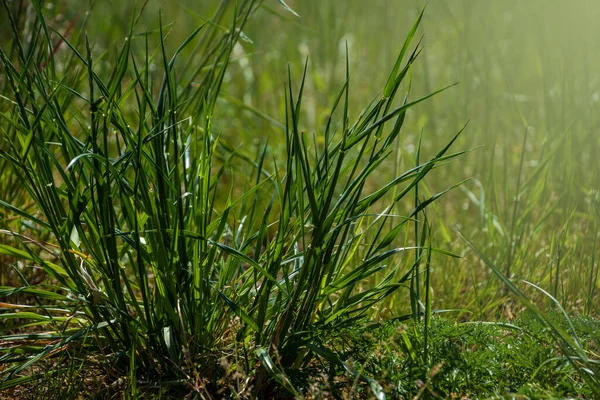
x=519 y=359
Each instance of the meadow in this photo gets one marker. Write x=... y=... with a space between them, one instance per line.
x=299 y=199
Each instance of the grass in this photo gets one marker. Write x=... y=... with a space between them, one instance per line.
x=177 y=222
x=473 y=360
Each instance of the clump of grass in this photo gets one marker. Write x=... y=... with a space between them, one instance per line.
x=111 y=180
x=155 y=265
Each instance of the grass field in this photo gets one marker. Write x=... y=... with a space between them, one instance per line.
x=311 y=199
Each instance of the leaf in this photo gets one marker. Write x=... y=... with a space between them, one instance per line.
x=433 y=198
x=359 y=136
x=288 y=8
x=274 y=371
x=389 y=86
x=242 y=257
x=237 y=310
x=6 y=291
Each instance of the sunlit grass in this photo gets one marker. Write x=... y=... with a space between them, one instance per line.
x=142 y=252
x=195 y=210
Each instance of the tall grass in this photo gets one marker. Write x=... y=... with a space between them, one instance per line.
x=526 y=73
x=158 y=249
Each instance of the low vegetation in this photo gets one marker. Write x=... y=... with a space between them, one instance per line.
x=151 y=247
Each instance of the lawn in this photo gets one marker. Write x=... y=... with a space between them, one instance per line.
x=269 y=199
